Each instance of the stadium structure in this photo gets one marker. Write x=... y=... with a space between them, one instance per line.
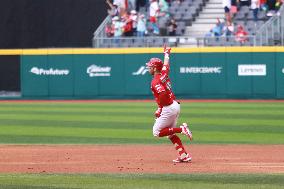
x=194 y=19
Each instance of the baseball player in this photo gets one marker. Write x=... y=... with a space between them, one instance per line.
x=168 y=108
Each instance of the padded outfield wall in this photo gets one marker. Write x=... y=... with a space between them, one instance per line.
x=231 y=72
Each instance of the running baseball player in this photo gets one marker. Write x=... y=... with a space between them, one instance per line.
x=168 y=108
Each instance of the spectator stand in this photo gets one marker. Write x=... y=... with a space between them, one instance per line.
x=262 y=32
x=264 y=29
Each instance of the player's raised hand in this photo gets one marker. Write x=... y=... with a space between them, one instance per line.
x=167 y=50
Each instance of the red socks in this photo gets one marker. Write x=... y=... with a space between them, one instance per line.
x=174 y=139
x=169 y=131
x=178 y=145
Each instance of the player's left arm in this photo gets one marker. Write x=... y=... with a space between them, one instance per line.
x=166 y=65
x=167 y=52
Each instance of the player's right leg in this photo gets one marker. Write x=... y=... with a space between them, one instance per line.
x=165 y=125
x=183 y=155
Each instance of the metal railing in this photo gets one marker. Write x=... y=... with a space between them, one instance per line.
x=105 y=42
x=100 y=32
x=149 y=41
x=271 y=33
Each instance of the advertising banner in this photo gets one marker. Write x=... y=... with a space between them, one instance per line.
x=99 y=75
x=193 y=75
x=187 y=82
x=87 y=71
x=137 y=79
x=252 y=70
x=60 y=75
x=238 y=86
x=112 y=85
x=213 y=73
x=263 y=80
x=280 y=75
x=34 y=75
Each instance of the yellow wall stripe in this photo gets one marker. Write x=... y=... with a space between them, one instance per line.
x=11 y=51
x=135 y=50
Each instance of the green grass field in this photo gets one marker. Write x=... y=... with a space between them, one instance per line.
x=131 y=123
x=139 y=181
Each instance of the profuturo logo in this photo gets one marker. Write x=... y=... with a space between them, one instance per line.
x=98 y=71
x=141 y=71
x=51 y=71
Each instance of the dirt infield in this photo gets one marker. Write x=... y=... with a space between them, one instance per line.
x=140 y=159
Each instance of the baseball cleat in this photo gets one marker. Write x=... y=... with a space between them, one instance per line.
x=186 y=159
x=186 y=131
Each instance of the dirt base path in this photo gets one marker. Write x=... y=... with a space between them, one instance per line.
x=140 y=159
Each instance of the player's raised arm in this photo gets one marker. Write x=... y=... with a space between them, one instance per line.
x=167 y=52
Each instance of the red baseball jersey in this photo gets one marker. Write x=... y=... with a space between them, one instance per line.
x=160 y=83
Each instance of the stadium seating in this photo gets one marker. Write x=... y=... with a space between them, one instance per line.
x=185 y=14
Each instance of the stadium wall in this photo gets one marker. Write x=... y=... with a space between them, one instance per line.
x=231 y=72
x=121 y=73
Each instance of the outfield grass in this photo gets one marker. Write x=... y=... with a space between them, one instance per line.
x=131 y=122
x=139 y=181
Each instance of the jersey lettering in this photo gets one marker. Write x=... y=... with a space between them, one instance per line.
x=163 y=78
x=169 y=86
x=161 y=83
x=159 y=88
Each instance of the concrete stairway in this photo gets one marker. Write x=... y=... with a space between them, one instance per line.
x=205 y=21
